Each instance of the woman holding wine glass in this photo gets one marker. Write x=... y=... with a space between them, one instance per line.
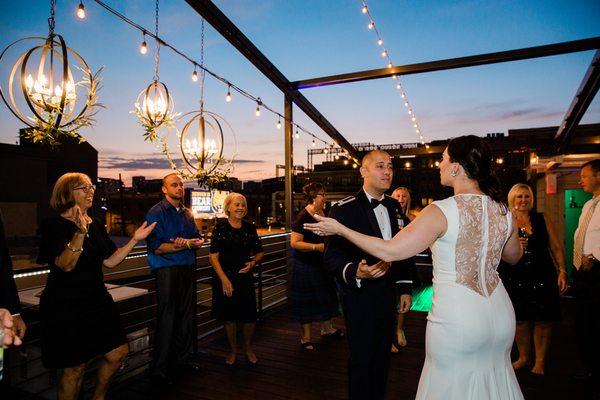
x=535 y=283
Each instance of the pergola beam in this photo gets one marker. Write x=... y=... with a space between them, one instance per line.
x=453 y=63
x=214 y=16
x=583 y=98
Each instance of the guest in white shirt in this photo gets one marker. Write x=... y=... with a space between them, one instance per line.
x=586 y=284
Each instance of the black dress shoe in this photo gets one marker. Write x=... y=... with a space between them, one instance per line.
x=191 y=366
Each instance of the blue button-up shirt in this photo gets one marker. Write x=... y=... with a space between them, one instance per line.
x=171 y=224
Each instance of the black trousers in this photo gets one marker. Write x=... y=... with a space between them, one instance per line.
x=175 y=316
x=586 y=290
x=370 y=335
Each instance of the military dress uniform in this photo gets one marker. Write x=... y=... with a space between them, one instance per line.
x=369 y=304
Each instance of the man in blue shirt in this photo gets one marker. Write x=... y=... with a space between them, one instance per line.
x=172 y=258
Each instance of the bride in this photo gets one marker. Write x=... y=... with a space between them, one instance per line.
x=471 y=325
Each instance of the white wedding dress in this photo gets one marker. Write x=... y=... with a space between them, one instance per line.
x=471 y=325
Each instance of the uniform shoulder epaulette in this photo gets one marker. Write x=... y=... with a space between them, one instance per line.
x=346 y=200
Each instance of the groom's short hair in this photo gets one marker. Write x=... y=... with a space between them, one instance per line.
x=367 y=157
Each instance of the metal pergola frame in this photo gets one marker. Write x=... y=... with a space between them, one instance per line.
x=291 y=90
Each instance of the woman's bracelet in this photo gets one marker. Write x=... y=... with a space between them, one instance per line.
x=74 y=250
x=187 y=244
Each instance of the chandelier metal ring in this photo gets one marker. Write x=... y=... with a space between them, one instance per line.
x=55 y=102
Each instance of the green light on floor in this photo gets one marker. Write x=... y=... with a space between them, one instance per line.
x=422 y=299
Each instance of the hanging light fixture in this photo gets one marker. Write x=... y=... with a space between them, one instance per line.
x=201 y=141
x=154 y=105
x=59 y=103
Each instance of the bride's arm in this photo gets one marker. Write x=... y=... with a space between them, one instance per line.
x=416 y=237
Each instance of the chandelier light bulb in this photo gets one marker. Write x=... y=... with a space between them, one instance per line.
x=81 y=10
x=195 y=76
x=364 y=9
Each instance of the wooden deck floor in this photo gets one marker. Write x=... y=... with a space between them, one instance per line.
x=284 y=371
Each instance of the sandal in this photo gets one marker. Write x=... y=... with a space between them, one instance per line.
x=307 y=346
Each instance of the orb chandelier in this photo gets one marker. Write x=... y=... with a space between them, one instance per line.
x=202 y=141
x=154 y=105
x=43 y=91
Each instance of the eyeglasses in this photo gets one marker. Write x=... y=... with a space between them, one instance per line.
x=86 y=188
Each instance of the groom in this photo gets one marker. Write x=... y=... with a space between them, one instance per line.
x=368 y=288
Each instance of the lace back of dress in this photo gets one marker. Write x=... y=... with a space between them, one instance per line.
x=483 y=228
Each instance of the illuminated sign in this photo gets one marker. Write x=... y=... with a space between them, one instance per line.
x=204 y=202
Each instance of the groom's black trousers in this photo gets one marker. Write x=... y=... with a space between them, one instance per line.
x=370 y=330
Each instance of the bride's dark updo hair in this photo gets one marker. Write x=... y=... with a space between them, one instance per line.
x=475 y=156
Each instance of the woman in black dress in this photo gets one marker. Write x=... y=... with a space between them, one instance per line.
x=313 y=293
x=79 y=320
x=233 y=243
x=534 y=285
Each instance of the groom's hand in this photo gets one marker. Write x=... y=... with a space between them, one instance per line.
x=378 y=270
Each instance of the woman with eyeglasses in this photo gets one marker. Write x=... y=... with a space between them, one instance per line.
x=79 y=320
x=313 y=293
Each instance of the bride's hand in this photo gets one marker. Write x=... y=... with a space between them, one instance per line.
x=325 y=226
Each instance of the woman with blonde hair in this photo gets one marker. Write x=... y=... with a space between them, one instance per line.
x=78 y=317
x=535 y=283
x=235 y=249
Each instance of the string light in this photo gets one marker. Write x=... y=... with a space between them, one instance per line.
x=230 y=85
x=195 y=76
x=81 y=10
x=257 y=112
x=385 y=54
x=144 y=46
